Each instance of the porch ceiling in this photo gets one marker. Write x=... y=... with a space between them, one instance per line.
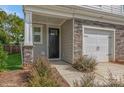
x=47 y=19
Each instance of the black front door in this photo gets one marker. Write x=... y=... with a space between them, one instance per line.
x=53 y=43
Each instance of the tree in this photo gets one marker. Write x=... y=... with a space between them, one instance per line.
x=3 y=57
x=16 y=27
x=4 y=38
x=11 y=28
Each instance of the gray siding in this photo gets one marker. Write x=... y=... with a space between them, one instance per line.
x=41 y=49
x=115 y=9
x=67 y=41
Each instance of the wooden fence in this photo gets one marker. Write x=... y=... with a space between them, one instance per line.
x=12 y=48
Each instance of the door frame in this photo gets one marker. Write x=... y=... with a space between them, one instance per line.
x=98 y=28
x=58 y=27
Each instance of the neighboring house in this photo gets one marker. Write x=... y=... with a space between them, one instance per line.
x=67 y=32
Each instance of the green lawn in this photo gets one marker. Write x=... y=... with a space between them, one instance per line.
x=14 y=62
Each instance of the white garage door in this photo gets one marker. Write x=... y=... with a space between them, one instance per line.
x=96 y=44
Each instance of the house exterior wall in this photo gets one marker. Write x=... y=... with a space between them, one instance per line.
x=41 y=49
x=67 y=41
x=119 y=37
x=72 y=40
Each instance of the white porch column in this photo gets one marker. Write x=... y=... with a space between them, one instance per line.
x=28 y=41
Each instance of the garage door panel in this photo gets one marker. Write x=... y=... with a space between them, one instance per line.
x=97 y=44
x=103 y=43
x=90 y=45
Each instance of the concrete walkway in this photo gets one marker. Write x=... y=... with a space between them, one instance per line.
x=67 y=71
x=102 y=71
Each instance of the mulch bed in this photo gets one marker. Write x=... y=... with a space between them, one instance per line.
x=59 y=78
x=17 y=78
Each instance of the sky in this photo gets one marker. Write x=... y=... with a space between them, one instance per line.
x=13 y=9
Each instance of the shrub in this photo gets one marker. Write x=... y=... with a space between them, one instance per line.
x=85 y=64
x=113 y=81
x=86 y=81
x=42 y=75
x=3 y=57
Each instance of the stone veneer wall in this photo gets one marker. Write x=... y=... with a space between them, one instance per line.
x=119 y=45
x=77 y=40
x=27 y=54
x=119 y=37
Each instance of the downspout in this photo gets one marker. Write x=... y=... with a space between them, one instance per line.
x=73 y=16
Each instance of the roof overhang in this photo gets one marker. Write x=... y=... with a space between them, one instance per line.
x=73 y=11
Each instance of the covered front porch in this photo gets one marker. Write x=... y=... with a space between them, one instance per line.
x=48 y=34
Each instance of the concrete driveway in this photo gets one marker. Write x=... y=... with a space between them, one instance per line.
x=102 y=71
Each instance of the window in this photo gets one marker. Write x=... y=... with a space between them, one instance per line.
x=122 y=8
x=37 y=34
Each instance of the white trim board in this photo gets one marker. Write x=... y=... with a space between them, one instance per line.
x=99 y=28
x=48 y=26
